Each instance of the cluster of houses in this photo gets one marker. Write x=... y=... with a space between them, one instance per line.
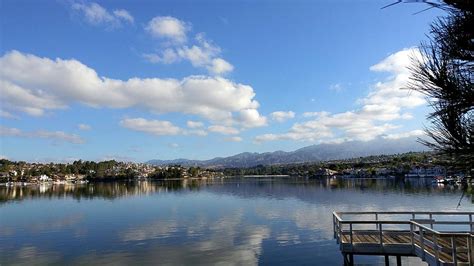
x=433 y=171
x=18 y=178
x=414 y=171
x=32 y=173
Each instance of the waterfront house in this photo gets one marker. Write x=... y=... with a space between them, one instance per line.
x=424 y=171
x=44 y=178
x=70 y=177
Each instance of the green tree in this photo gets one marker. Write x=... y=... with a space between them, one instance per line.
x=444 y=75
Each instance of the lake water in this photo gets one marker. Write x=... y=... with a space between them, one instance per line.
x=242 y=221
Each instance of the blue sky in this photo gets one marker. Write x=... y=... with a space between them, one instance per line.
x=139 y=80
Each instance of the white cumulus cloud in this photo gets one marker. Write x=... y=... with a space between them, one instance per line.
x=386 y=102
x=36 y=85
x=223 y=130
x=219 y=66
x=59 y=136
x=413 y=133
x=124 y=15
x=7 y=115
x=282 y=116
x=159 y=127
x=169 y=28
x=314 y=114
x=251 y=118
x=167 y=56
x=194 y=124
x=95 y=14
x=155 y=127
x=202 y=53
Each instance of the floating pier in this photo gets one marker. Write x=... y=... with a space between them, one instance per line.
x=439 y=238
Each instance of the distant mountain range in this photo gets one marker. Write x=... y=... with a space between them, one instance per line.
x=313 y=153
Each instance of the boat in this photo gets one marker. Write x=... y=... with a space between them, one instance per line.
x=443 y=180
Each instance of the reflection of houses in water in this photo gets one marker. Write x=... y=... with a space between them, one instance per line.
x=302 y=188
x=109 y=190
x=421 y=171
x=44 y=187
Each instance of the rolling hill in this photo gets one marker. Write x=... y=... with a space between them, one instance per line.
x=313 y=153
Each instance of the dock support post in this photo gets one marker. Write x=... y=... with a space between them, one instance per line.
x=387 y=261
x=399 y=260
x=346 y=262
x=348 y=259
x=470 y=222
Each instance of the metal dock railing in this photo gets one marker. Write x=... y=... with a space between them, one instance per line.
x=439 y=238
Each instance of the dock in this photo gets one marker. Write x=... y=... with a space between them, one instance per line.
x=438 y=238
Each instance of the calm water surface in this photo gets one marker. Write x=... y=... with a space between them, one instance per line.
x=231 y=221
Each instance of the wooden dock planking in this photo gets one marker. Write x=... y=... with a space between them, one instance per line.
x=390 y=238
x=373 y=237
x=445 y=257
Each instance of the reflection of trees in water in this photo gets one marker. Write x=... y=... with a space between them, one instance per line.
x=470 y=192
x=107 y=190
x=321 y=190
x=244 y=187
x=406 y=185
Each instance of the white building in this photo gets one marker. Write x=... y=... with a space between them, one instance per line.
x=44 y=178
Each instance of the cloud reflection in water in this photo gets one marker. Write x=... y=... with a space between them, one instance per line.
x=226 y=222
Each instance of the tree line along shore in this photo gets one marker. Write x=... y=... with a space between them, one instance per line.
x=86 y=171
x=415 y=164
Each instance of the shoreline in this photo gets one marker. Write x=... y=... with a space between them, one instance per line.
x=107 y=180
